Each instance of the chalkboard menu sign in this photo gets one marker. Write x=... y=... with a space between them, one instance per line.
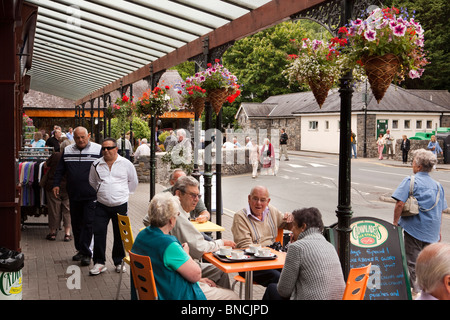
x=378 y=242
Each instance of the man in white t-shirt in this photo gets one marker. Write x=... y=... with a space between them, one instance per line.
x=114 y=178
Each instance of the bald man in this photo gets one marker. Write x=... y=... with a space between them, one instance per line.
x=75 y=163
x=433 y=272
x=259 y=223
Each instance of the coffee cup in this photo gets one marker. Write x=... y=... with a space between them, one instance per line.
x=225 y=250
x=237 y=254
x=264 y=252
x=254 y=247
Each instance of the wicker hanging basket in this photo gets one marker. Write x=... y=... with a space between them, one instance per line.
x=380 y=71
x=217 y=97
x=198 y=104
x=320 y=89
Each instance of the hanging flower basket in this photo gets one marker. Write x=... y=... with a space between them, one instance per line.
x=154 y=102
x=380 y=71
x=217 y=98
x=388 y=45
x=198 y=104
x=216 y=84
x=317 y=65
x=320 y=89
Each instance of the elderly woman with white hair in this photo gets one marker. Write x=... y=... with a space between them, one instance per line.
x=425 y=227
x=142 y=150
x=177 y=275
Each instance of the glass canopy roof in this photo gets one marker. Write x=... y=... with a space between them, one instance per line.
x=81 y=46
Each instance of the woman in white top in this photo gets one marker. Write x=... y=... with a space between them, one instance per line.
x=380 y=144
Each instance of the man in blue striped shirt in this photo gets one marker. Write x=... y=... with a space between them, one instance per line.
x=75 y=163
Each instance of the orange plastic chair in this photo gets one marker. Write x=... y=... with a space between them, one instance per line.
x=143 y=278
x=357 y=283
x=241 y=280
x=126 y=234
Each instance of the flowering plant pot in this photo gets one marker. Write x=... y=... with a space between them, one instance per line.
x=154 y=102
x=193 y=96
x=317 y=66
x=122 y=110
x=217 y=84
x=386 y=33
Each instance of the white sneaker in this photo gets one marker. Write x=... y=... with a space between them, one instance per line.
x=118 y=268
x=97 y=269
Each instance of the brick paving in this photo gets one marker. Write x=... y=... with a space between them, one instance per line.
x=45 y=273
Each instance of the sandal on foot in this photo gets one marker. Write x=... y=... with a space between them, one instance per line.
x=67 y=238
x=51 y=236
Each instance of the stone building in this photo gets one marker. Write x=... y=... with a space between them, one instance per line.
x=311 y=128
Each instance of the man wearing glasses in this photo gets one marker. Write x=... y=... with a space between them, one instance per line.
x=114 y=178
x=259 y=223
x=187 y=190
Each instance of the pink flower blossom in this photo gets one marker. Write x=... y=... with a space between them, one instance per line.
x=413 y=74
x=357 y=22
x=370 y=35
x=399 y=30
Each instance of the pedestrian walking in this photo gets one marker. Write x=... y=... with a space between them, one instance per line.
x=405 y=146
x=380 y=145
x=388 y=138
x=283 y=144
x=114 y=178
x=76 y=160
x=425 y=227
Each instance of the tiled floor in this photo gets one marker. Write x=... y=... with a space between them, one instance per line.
x=47 y=274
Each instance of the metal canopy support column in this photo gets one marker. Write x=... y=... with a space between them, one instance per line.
x=344 y=210
x=207 y=174
x=153 y=82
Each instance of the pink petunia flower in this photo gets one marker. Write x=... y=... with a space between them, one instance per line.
x=399 y=30
x=357 y=22
x=370 y=35
x=413 y=74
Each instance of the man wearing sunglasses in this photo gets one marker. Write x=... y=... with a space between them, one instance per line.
x=114 y=178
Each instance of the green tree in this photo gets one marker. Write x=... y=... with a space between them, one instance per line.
x=258 y=60
x=140 y=129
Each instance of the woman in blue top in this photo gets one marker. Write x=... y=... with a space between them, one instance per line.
x=424 y=228
x=434 y=146
x=176 y=274
x=38 y=141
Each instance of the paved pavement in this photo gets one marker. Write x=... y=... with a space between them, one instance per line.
x=46 y=275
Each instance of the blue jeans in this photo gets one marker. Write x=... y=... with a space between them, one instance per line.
x=354 y=149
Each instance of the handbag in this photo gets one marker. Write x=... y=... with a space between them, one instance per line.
x=411 y=207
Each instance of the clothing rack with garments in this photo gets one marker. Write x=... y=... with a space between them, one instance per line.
x=31 y=170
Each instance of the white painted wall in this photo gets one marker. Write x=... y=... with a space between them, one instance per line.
x=322 y=139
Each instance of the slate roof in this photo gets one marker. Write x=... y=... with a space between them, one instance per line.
x=40 y=100
x=396 y=99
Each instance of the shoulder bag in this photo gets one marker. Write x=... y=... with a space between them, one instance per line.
x=411 y=207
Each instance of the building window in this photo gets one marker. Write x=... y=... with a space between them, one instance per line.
x=419 y=124
x=327 y=125
x=407 y=124
x=429 y=124
x=394 y=124
x=313 y=125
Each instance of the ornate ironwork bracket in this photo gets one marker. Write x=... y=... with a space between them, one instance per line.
x=329 y=14
x=208 y=54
